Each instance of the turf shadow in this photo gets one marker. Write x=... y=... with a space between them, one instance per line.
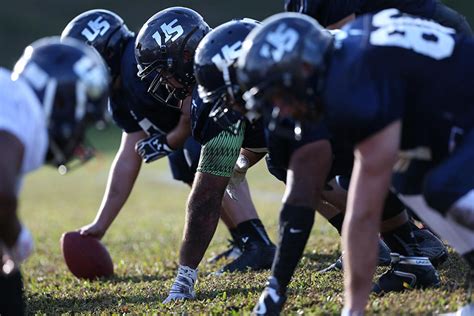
x=113 y=301
x=136 y=278
x=321 y=260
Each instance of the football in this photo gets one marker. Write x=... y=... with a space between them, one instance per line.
x=85 y=256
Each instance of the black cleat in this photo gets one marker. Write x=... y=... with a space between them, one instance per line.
x=255 y=256
x=231 y=253
x=430 y=246
x=384 y=259
x=271 y=301
x=407 y=273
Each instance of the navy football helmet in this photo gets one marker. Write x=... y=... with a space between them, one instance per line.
x=69 y=78
x=286 y=56
x=214 y=69
x=105 y=31
x=165 y=48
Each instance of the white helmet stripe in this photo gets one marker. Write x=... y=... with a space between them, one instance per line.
x=49 y=96
x=81 y=100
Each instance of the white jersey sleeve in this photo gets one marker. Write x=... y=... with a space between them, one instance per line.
x=21 y=115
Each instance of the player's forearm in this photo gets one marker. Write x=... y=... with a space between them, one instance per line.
x=360 y=232
x=177 y=137
x=9 y=223
x=122 y=176
x=181 y=132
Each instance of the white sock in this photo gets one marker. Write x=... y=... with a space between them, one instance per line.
x=188 y=273
x=348 y=312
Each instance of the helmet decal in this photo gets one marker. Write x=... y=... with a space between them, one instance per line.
x=283 y=40
x=172 y=32
x=94 y=28
x=227 y=56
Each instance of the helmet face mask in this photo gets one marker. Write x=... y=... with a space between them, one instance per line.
x=164 y=50
x=71 y=81
x=225 y=116
x=228 y=106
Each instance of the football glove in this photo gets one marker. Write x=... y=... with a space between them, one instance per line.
x=153 y=148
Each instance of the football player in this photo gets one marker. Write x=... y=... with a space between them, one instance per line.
x=380 y=71
x=153 y=125
x=44 y=110
x=221 y=148
x=333 y=14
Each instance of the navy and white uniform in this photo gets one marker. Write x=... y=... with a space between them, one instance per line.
x=21 y=115
x=388 y=67
x=332 y=12
x=134 y=109
x=335 y=10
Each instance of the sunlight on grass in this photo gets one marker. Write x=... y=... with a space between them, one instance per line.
x=144 y=243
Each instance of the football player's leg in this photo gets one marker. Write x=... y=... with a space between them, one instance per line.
x=307 y=172
x=241 y=208
x=183 y=164
x=203 y=211
x=216 y=163
x=449 y=188
x=257 y=249
x=303 y=166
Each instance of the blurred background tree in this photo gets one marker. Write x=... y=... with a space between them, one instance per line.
x=24 y=21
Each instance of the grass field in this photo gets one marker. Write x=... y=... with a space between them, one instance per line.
x=144 y=243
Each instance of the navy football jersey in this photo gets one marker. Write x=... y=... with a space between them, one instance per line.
x=388 y=67
x=132 y=107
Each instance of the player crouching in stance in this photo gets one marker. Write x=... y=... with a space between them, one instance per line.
x=377 y=73
x=151 y=122
x=165 y=51
x=45 y=105
x=215 y=75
